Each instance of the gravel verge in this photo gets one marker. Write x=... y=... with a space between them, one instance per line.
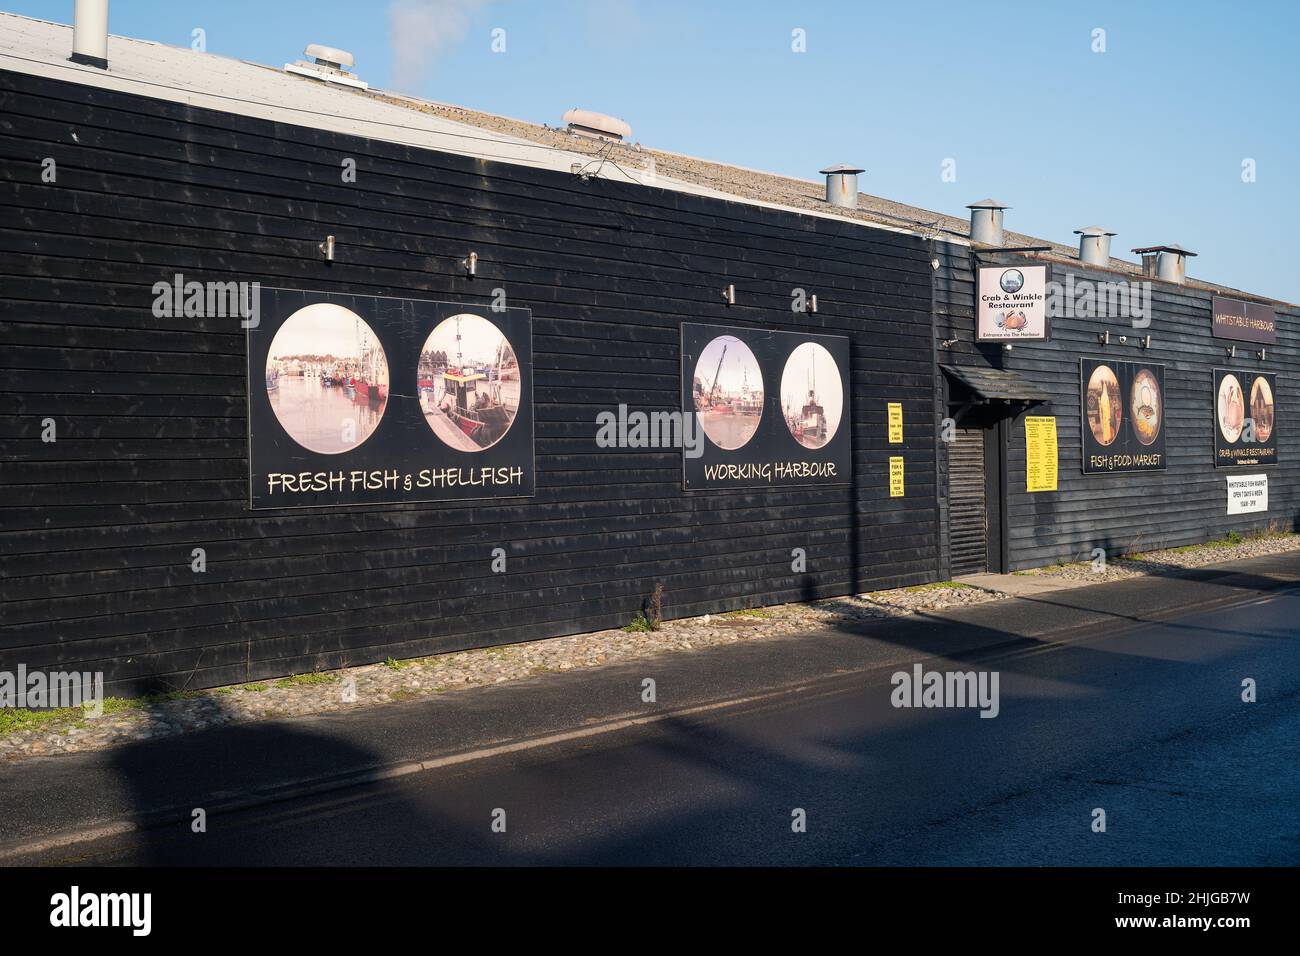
x=26 y=734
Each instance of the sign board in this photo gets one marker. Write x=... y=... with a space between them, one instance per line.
x=1245 y=419
x=1123 y=408
x=1243 y=321
x=1012 y=304
x=773 y=407
x=895 y=423
x=360 y=400
x=1247 y=494
x=1040 y=453
x=896 y=476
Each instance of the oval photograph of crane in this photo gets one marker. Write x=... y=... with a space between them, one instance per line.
x=728 y=392
x=812 y=398
x=469 y=382
x=327 y=378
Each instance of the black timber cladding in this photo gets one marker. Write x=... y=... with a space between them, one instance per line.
x=1184 y=504
x=97 y=528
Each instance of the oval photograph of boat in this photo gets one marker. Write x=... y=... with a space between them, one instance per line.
x=728 y=392
x=327 y=378
x=812 y=397
x=1145 y=406
x=1261 y=408
x=1105 y=407
x=469 y=382
x=1232 y=408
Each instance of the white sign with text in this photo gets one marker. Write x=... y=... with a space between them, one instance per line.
x=1247 y=494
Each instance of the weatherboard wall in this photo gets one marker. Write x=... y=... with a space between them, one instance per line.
x=1136 y=511
x=97 y=529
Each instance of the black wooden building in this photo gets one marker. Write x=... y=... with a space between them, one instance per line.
x=157 y=174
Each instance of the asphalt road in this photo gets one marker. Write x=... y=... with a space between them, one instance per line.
x=1145 y=721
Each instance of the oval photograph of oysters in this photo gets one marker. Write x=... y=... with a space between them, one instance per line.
x=1231 y=408
x=1145 y=406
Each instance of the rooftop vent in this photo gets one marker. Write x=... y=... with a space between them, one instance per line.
x=1167 y=263
x=597 y=125
x=329 y=65
x=1094 y=245
x=986 y=221
x=842 y=185
x=90 y=33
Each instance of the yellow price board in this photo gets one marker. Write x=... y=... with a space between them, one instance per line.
x=895 y=423
x=896 y=476
x=1040 y=453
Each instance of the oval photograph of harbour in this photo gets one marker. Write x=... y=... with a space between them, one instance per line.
x=327 y=378
x=1105 y=407
x=469 y=382
x=812 y=398
x=728 y=392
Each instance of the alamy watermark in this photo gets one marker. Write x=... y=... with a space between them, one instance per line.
x=195 y=300
x=1086 y=299
x=668 y=429
x=922 y=688
x=48 y=690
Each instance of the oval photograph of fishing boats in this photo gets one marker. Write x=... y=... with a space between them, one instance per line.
x=1232 y=408
x=812 y=398
x=327 y=378
x=728 y=392
x=1145 y=406
x=469 y=382
x=1105 y=407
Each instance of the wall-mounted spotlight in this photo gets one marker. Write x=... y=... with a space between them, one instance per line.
x=1145 y=342
x=934 y=264
x=1262 y=352
x=1123 y=339
x=812 y=302
x=729 y=294
x=1006 y=346
x=470 y=264
x=1232 y=351
x=327 y=248
x=1104 y=337
x=948 y=343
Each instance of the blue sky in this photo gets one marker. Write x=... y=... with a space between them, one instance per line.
x=1146 y=138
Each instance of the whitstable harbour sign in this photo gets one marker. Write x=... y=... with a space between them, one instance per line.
x=1012 y=304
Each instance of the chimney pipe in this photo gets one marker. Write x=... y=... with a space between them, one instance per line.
x=842 y=185
x=1094 y=245
x=1170 y=262
x=90 y=33
x=986 y=221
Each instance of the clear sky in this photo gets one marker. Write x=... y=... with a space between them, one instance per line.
x=1146 y=138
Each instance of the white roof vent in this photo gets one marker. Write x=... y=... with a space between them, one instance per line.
x=597 y=125
x=330 y=65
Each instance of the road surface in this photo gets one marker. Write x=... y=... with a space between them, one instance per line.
x=1144 y=720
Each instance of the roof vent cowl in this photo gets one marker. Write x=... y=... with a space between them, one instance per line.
x=842 y=185
x=986 y=221
x=1094 y=245
x=1166 y=263
x=90 y=33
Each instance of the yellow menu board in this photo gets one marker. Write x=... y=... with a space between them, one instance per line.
x=896 y=476
x=1040 y=453
x=895 y=423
